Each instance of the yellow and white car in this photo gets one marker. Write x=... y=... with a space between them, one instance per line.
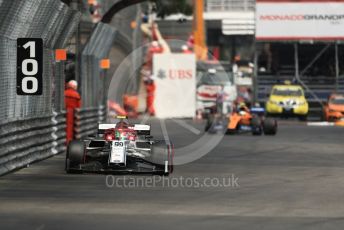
x=287 y=100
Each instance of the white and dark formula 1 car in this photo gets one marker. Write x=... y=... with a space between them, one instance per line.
x=120 y=148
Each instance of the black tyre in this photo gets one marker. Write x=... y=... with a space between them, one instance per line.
x=75 y=156
x=170 y=156
x=231 y=131
x=256 y=125
x=162 y=153
x=270 y=126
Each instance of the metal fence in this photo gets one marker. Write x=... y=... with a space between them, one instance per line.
x=114 y=41
x=93 y=77
x=126 y=52
x=32 y=127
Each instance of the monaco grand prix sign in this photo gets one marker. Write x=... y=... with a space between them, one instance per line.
x=300 y=20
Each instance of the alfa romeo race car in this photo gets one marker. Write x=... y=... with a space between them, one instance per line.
x=120 y=147
x=243 y=120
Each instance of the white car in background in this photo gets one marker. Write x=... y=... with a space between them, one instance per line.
x=210 y=81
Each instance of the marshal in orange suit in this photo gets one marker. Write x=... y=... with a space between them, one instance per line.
x=72 y=101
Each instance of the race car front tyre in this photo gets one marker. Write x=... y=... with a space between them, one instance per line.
x=75 y=156
x=162 y=157
x=270 y=126
x=256 y=125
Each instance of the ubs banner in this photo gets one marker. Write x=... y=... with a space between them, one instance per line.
x=301 y=20
x=175 y=79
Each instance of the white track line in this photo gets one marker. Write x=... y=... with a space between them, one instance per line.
x=321 y=123
x=164 y=131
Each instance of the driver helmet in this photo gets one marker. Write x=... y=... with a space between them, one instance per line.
x=122 y=125
x=242 y=106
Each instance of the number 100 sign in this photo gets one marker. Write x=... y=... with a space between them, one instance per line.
x=29 y=66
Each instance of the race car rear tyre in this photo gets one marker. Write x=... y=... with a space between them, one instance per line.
x=270 y=126
x=75 y=156
x=162 y=157
x=256 y=125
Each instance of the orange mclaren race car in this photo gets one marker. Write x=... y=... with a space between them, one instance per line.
x=334 y=108
x=251 y=120
x=243 y=119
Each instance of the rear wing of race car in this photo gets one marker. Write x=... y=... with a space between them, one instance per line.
x=103 y=127
x=139 y=128
x=142 y=129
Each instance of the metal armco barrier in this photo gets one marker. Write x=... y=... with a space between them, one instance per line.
x=25 y=141
x=85 y=122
